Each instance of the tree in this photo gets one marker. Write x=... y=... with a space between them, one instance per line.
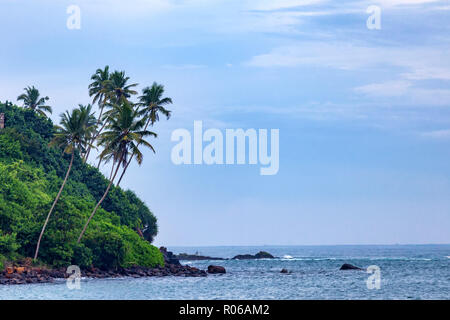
x=74 y=133
x=123 y=134
x=120 y=90
x=100 y=89
x=152 y=105
x=32 y=100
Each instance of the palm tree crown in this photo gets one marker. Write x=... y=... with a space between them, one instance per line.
x=32 y=100
x=153 y=102
x=75 y=130
x=100 y=85
x=123 y=134
x=119 y=90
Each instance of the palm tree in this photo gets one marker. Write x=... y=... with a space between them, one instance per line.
x=120 y=90
x=100 y=89
x=32 y=100
x=123 y=134
x=74 y=133
x=153 y=104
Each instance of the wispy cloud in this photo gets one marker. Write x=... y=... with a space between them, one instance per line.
x=437 y=134
x=389 y=88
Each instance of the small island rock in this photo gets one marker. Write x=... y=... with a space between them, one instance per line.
x=259 y=255
x=347 y=266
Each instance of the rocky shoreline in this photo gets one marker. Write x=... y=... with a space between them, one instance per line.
x=29 y=274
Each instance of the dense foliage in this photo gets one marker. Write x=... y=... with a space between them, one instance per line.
x=31 y=173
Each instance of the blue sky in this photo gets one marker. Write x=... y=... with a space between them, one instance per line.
x=364 y=115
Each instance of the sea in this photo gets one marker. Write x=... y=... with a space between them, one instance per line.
x=388 y=272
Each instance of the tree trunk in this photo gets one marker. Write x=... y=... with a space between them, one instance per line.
x=96 y=135
x=101 y=200
x=131 y=158
x=54 y=204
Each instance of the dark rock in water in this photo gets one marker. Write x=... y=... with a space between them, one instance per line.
x=185 y=256
x=216 y=269
x=284 y=271
x=169 y=257
x=259 y=255
x=264 y=255
x=347 y=266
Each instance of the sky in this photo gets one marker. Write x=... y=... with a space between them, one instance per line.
x=363 y=114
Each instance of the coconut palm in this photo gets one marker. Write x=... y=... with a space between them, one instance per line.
x=119 y=90
x=152 y=104
x=123 y=134
x=32 y=100
x=73 y=133
x=100 y=89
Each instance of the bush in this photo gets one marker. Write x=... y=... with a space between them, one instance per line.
x=82 y=256
x=108 y=250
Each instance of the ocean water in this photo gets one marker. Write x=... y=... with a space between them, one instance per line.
x=406 y=272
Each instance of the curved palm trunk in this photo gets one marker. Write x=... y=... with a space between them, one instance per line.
x=53 y=206
x=131 y=158
x=101 y=200
x=97 y=134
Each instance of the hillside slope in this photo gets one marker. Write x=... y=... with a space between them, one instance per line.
x=30 y=176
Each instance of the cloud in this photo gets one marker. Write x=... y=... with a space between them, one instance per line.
x=393 y=3
x=283 y=4
x=437 y=134
x=389 y=88
x=418 y=63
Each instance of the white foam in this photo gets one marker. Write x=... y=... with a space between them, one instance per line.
x=286 y=256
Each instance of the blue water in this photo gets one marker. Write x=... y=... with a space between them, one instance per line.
x=407 y=272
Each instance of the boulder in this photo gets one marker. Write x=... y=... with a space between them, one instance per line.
x=347 y=266
x=284 y=271
x=216 y=269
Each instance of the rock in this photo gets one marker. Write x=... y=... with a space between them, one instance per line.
x=169 y=257
x=216 y=269
x=264 y=255
x=347 y=266
x=284 y=271
x=20 y=270
x=259 y=255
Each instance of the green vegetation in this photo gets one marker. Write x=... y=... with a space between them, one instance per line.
x=48 y=192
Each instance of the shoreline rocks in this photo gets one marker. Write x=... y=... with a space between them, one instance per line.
x=45 y=276
x=27 y=274
x=169 y=257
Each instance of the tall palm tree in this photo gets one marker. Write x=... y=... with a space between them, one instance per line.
x=100 y=89
x=74 y=133
x=152 y=104
x=118 y=92
x=123 y=134
x=32 y=100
